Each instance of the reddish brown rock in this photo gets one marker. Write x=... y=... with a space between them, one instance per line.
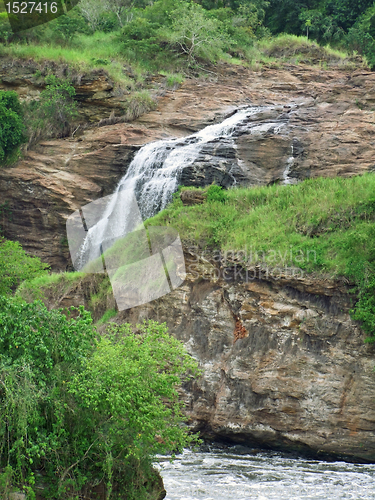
x=328 y=119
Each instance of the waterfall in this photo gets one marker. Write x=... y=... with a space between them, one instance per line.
x=153 y=175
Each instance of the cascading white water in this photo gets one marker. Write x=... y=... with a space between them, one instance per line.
x=153 y=176
x=289 y=165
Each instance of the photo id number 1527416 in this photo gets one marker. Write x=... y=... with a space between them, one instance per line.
x=30 y=7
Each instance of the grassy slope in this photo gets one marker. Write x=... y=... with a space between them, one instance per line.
x=328 y=220
x=104 y=50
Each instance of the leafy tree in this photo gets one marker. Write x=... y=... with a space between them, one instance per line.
x=11 y=123
x=5 y=28
x=320 y=27
x=38 y=351
x=92 y=11
x=120 y=8
x=284 y=15
x=346 y=12
x=361 y=36
x=65 y=28
x=330 y=19
x=195 y=34
x=86 y=411
x=140 y=36
x=145 y=368
x=16 y=266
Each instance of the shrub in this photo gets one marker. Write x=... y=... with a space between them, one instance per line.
x=361 y=37
x=16 y=266
x=84 y=411
x=195 y=34
x=5 y=28
x=54 y=113
x=139 y=103
x=216 y=193
x=11 y=123
x=139 y=38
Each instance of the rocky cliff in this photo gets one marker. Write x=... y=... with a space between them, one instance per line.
x=324 y=125
x=283 y=364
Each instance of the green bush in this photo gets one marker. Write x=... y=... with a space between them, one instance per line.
x=16 y=266
x=5 y=29
x=11 y=123
x=216 y=193
x=54 y=114
x=86 y=411
x=139 y=38
x=361 y=36
x=196 y=35
x=139 y=103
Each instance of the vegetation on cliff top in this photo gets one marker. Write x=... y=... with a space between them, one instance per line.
x=321 y=225
x=130 y=41
x=186 y=36
x=16 y=266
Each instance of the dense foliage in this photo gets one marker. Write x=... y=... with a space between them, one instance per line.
x=77 y=412
x=347 y=23
x=11 y=123
x=51 y=115
x=16 y=266
x=170 y=33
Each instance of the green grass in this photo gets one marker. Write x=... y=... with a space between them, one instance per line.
x=322 y=226
x=318 y=225
x=85 y=53
x=103 y=50
x=111 y=313
x=34 y=289
x=297 y=49
x=172 y=80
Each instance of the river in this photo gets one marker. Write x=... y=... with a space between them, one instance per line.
x=239 y=474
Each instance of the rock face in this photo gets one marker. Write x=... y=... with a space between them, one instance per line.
x=324 y=126
x=284 y=366
x=96 y=93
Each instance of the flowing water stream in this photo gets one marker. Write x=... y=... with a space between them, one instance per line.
x=220 y=474
x=155 y=172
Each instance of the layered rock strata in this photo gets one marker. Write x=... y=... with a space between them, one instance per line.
x=283 y=364
x=327 y=120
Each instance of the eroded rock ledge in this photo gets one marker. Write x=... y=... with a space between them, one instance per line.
x=284 y=366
